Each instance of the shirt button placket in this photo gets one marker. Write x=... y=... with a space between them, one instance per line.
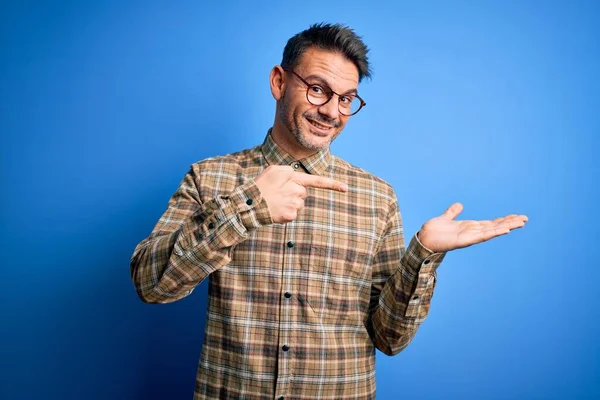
x=286 y=315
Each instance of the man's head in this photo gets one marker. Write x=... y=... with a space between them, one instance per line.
x=320 y=61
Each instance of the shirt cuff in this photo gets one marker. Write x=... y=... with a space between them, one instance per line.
x=420 y=259
x=423 y=263
x=250 y=206
x=226 y=220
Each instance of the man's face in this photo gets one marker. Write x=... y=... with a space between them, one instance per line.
x=315 y=127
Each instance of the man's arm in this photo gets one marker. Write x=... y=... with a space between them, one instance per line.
x=403 y=281
x=400 y=304
x=192 y=239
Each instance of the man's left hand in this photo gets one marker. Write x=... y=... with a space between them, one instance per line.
x=443 y=233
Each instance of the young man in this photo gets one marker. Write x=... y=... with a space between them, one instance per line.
x=305 y=253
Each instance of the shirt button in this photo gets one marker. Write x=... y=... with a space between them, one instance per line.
x=287 y=295
x=296 y=165
x=290 y=244
x=249 y=202
x=211 y=225
x=285 y=347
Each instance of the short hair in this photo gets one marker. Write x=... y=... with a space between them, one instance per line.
x=333 y=37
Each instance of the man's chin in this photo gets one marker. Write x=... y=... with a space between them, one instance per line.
x=315 y=142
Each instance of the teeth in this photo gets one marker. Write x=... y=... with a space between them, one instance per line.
x=318 y=125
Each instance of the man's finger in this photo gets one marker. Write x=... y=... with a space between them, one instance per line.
x=453 y=211
x=512 y=224
x=490 y=233
x=511 y=217
x=320 y=182
x=502 y=219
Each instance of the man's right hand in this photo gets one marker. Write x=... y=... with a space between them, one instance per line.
x=284 y=190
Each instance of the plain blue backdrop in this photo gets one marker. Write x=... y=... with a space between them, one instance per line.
x=104 y=105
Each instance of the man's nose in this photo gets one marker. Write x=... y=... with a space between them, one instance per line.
x=330 y=109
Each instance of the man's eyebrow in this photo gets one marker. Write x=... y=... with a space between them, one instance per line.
x=325 y=83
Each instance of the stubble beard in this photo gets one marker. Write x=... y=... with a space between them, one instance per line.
x=293 y=122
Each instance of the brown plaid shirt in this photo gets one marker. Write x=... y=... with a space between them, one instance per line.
x=295 y=310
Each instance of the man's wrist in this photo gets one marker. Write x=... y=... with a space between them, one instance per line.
x=421 y=243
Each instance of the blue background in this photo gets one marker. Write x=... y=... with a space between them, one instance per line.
x=104 y=106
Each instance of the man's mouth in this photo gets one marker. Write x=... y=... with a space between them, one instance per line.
x=318 y=125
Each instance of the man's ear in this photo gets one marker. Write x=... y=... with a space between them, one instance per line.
x=277 y=81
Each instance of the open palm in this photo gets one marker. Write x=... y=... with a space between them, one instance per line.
x=444 y=233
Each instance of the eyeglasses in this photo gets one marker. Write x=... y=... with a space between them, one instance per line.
x=318 y=95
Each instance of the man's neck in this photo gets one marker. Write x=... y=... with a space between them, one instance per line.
x=290 y=145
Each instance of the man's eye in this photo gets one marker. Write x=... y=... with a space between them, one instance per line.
x=346 y=99
x=316 y=89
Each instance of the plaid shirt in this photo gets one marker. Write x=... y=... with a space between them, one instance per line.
x=295 y=310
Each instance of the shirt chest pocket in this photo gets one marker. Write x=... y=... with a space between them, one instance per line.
x=335 y=281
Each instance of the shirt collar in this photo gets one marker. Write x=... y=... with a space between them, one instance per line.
x=316 y=164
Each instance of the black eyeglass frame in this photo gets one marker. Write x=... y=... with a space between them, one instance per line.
x=329 y=96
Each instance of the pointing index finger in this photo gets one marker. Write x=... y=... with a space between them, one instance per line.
x=320 y=182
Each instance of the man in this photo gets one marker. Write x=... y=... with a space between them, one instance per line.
x=305 y=253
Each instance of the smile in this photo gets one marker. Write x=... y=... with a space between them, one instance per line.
x=318 y=125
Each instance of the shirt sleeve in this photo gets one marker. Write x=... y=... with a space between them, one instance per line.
x=194 y=238
x=403 y=282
